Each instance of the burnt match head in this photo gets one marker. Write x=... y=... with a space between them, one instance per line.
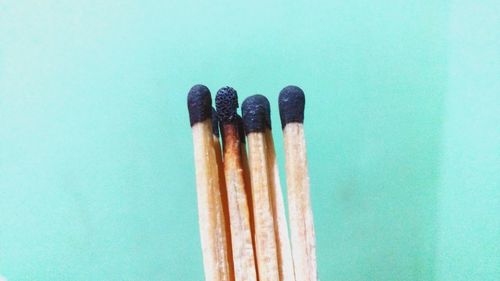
x=199 y=104
x=291 y=104
x=226 y=102
x=215 y=123
x=241 y=130
x=255 y=110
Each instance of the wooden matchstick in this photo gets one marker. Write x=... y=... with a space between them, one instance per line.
x=248 y=185
x=285 y=260
x=211 y=218
x=241 y=234
x=265 y=236
x=246 y=175
x=223 y=188
x=217 y=144
x=291 y=106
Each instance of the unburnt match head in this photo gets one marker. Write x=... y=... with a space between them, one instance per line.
x=215 y=123
x=199 y=104
x=267 y=107
x=255 y=110
x=291 y=105
x=226 y=102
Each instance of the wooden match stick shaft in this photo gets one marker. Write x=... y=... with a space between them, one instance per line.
x=211 y=217
x=282 y=240
x=214 y=240
x=243 y=253
x=248 y=185
x=224 y=200
x=265 y=236
x=299 y=203
x=291 y=105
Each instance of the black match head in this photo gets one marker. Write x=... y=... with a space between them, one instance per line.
x=255 y=111
x=215 y=123
x=241 y=130
x=291 y=105
x=267 y=107
x=199 y=104
x=226 y=102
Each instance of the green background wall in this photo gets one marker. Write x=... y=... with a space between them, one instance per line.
x=469 y=192
x=402 y=124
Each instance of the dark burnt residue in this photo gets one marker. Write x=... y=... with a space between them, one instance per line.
x=215 y=123
x=241 y=130
x=226 y=102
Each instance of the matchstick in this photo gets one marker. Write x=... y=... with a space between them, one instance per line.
x=241 y=234
x=246 y=173
x=223 y=188
x=211 y=218
x=282 y=241
x=216 y=136
x=246 y=170
x=265 y=237
x=291 y=106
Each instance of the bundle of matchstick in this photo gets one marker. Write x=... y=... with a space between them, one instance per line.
x=243 y=227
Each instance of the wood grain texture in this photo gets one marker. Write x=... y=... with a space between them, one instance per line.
x=211 y=220
x=224 y=200
x=265 y=236
x=299 y=204
x=241 y=234
x=280 y=224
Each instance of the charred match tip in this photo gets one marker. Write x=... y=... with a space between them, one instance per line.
x=226 y=102
x=291 y=105
x=199 y=104
x=241 y=130
x=215 y=123
x=255 y=110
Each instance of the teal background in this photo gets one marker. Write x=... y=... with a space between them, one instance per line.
x=402 y=123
